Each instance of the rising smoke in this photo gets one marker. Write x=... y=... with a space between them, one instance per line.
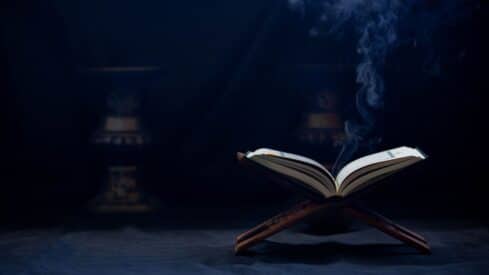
x=376 y=25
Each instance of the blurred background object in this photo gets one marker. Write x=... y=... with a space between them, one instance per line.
x=121 y=138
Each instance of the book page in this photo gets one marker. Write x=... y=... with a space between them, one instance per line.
x=308 y=169
x=280 y=154
x=384 y=156
x=376 y=175
x=299 y=176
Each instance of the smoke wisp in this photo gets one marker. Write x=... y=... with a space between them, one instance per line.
x=376 y=25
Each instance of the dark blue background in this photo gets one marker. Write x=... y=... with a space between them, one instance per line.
x=222 y=87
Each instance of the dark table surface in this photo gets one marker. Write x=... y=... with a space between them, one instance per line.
x=459 y=247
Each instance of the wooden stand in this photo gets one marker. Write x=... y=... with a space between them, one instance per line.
x=299 y=212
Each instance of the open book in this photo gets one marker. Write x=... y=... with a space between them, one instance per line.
x=353 y=177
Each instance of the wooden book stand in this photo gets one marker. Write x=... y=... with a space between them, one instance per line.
x=307 y=208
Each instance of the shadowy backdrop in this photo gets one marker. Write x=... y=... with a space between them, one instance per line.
x=221 y=88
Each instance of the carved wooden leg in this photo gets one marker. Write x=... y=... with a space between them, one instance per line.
x=389 y=227
x=277 y=224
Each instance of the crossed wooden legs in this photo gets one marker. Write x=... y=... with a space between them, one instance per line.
x=307 y=208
